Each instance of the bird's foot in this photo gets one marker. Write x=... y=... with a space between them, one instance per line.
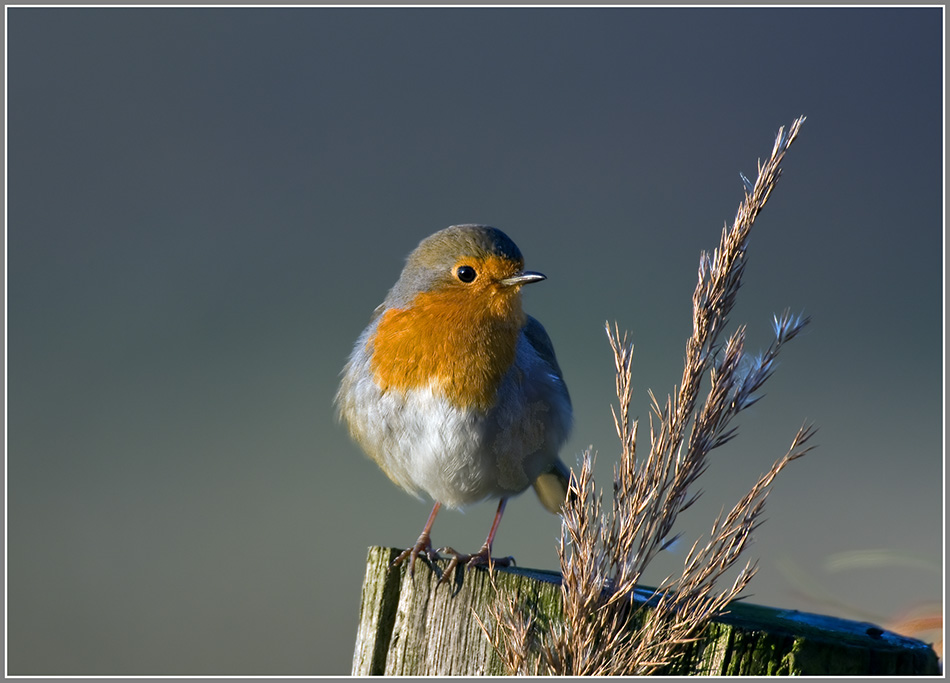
x=482 y=558
x=423 y=546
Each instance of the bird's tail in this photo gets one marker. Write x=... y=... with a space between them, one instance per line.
x=552 y=486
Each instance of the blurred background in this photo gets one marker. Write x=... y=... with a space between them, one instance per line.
x=205 y=205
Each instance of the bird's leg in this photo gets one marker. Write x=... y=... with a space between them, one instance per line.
x=482 y=557
x=423 y=545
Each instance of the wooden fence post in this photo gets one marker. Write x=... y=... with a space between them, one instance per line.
x=409 y=627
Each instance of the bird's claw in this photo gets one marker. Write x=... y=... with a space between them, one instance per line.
x=482 y=558
x=422 y=547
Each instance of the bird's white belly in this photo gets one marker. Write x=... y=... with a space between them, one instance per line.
x=428 y=446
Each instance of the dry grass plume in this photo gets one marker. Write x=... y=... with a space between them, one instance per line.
x=603 y=553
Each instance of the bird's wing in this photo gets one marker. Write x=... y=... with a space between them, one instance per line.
x=538 y=338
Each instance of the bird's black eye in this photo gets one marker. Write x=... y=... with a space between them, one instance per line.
x=465 y=273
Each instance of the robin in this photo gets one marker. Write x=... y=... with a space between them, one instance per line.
x=454 y=391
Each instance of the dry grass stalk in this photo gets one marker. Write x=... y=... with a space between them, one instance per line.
x=603 y=556
x=518 y=636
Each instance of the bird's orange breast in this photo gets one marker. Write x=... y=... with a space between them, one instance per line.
x=461 y=341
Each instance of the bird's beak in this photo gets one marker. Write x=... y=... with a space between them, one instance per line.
x=525 y=277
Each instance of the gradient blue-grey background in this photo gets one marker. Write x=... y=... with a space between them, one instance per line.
x=205 y=205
